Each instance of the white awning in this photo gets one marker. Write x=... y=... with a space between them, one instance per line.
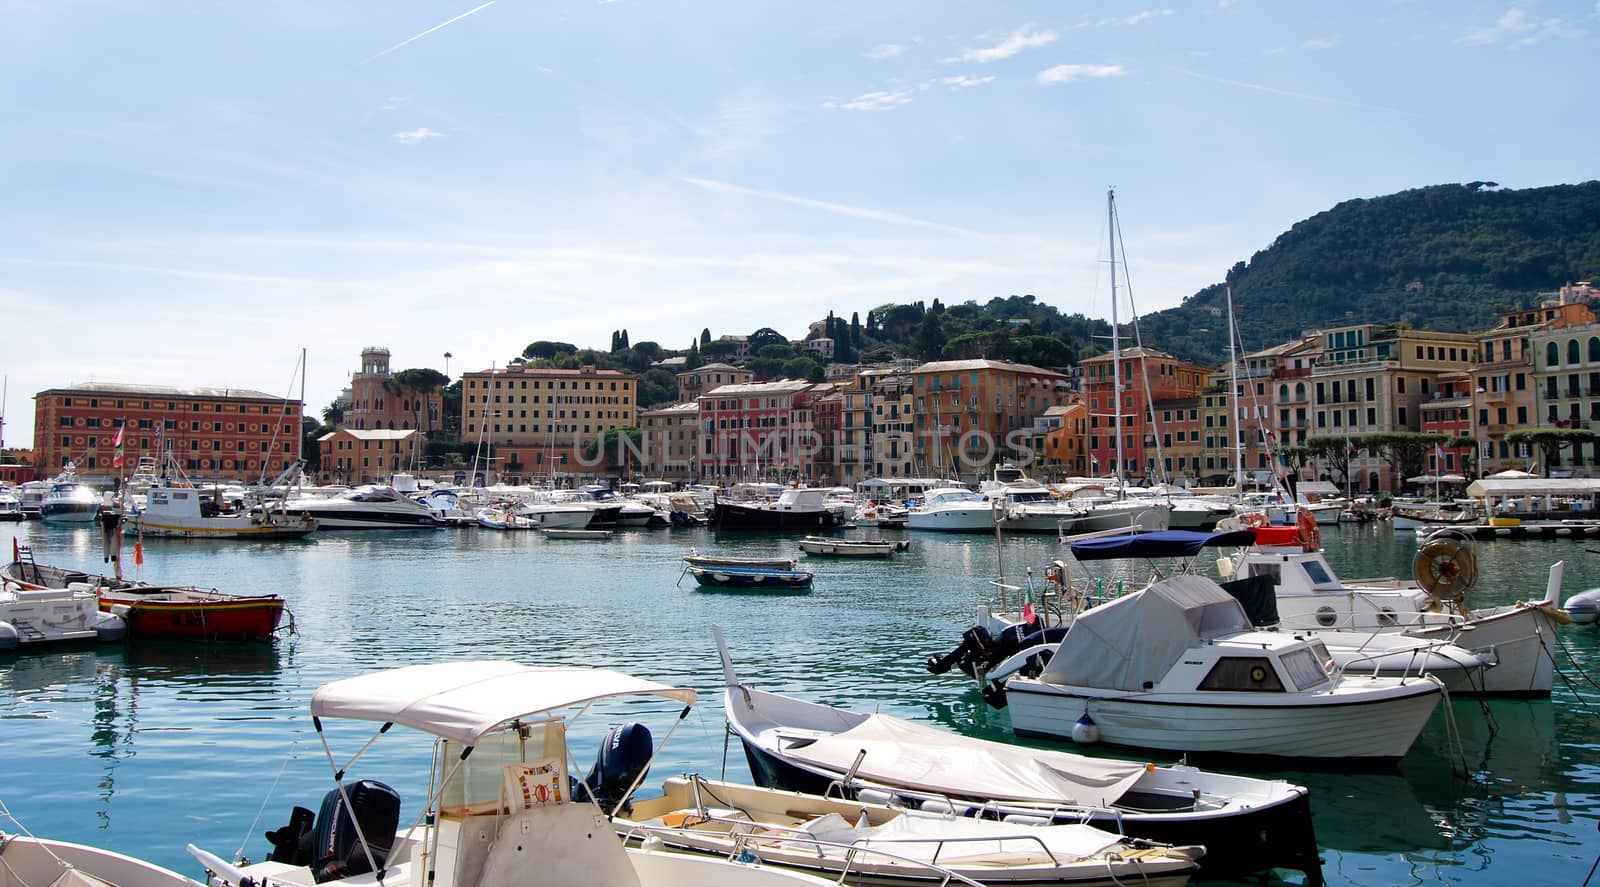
x=903 y=753
x=463 y=701
x=1534 y=486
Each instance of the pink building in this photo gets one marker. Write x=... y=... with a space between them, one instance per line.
x=757 y=431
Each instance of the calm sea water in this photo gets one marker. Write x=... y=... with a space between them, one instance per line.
x=148 y=747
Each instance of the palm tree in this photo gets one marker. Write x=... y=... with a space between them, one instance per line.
x=333 y=413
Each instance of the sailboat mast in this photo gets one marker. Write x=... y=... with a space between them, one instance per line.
x=1233 y=396
x=300 y=436
x=1116 y=341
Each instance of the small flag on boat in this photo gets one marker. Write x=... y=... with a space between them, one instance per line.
x=1352 y=445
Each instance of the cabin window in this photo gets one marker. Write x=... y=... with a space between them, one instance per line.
x=1319 y=574
x=1271 y=570
x=1243 y=673
x=1304 y=669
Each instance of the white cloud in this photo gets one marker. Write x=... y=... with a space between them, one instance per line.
x=1025 y=37
x=1517 y=29
x=878 y=100
x=1146 y=15
x=887 y=51
x=1069 y=73
x=417 y=136
x=1320 y=43
x=965 y=80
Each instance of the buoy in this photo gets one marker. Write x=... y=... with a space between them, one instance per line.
x=1584 y=607
x=1085 y=731
x=9 y=638
x=109 y=627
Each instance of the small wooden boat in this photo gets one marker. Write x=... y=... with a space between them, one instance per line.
x=753 y=578
x=857 y=841
x=559 y=533
x=162 y=611
x=38 y=861
x=695 y=559
x=825 y=547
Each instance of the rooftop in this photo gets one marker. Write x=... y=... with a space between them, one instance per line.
x=675 y=409
x=373 y=433
x=161 y=391
x=962 y=366
x=783 y=386
x=715 y=367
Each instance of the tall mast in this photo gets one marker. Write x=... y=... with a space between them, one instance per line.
x=1233 y=395
x=300 y=434
x=1116 y=341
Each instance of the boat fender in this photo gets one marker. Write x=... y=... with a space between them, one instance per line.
x=110 y=627
x=1584 y=607
x=624 y=758
x=875 y=796
x=10 y=638
x=1085 y=731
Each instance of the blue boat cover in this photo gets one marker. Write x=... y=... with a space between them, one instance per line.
x=1166 y=543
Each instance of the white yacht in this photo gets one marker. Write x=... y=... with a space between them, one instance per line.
x=629 y=513
x=10 y=505
x=1027 y=505
x=369 y=507
x=552 y=514
x=69 y=501
x=1178 y=667
x=952 y=510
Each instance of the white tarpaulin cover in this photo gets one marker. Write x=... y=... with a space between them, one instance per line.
x=906 y=754
x=1123 y=644
x=955 y=840
x=464 y=700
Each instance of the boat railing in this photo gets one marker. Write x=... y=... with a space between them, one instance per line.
x=771 y=837
x=1375 y=659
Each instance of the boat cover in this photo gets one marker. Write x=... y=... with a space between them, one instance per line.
x=901 y=753
x=465 y=700
x=1166 y=543
x=1136 y=639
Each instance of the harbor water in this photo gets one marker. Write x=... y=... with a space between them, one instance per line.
x=146 y=747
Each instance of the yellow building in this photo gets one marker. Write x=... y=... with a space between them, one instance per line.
x=536 y=422
x=670 y=441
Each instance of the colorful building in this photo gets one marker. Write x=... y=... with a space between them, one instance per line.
x=970 y=414
x=695 y=382
x=756 y=431
x=670 y=441
x=1505 y=396
x=1148 y=377
x=1566 y=372
x=212 y=433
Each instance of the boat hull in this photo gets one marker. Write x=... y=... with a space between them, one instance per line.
x=1520 y=640
x=69 y=512
x=224 y=528
x=953 y=520
x=733 y=516
x=1377 y=729
x=773 y=581
x=242 y=619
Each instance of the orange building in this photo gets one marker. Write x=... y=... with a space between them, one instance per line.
x=218 y=433
x=1148 y=376
x=351 y=456
x=377 y=401
x=971 y=414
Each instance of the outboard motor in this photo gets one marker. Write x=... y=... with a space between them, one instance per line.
x=291 y=844
x=623 y=760
x=337 y=851
x=982 y=651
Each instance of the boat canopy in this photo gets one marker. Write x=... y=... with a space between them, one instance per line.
x=463 y=701
x=895 y=752
x=1166 y=543
x=1498 y=487
x=1134 y=641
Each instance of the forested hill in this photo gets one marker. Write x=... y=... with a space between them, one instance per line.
x=1446 y=257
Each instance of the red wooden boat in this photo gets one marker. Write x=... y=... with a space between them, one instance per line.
x=163 y=611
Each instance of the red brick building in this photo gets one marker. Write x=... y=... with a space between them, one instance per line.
x=757 y=431
x=211 y=432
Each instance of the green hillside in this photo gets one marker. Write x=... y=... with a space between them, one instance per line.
x=1446 y=257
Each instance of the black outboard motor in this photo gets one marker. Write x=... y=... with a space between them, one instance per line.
x=623 y=760
x=982 y=651
x=337 y=851
x=292 y=843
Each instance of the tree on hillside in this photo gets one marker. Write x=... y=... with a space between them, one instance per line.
x=424 y=379
x=691 y=358
x=930 y=337
x=705 y=337
x=803 y=368
x=776 y=352
x=718 y=349
x=766 y=336
x=1550 y=441
x=542 y=350
x=855 y=330
x=657 y=387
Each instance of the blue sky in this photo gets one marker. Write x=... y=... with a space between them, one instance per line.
x=195 y=191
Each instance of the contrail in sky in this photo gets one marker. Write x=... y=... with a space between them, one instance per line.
x=416 y=37
x=1288 y=94
x=874 y=215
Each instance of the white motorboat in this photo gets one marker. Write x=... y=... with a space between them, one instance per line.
x=190 y=512
x=1246 y=824
x=30 y=617
x=68 y=500
x=501 y=805
x=1517 y=638
x=891 y=846
x=629 y=512
x=1177 y=666
x=953 y=510
x=823 y=546
x=27 y=861
x=558 y=514
x=1102 y=513
x=367 y=507
x=32 y=495
x=10 y=505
